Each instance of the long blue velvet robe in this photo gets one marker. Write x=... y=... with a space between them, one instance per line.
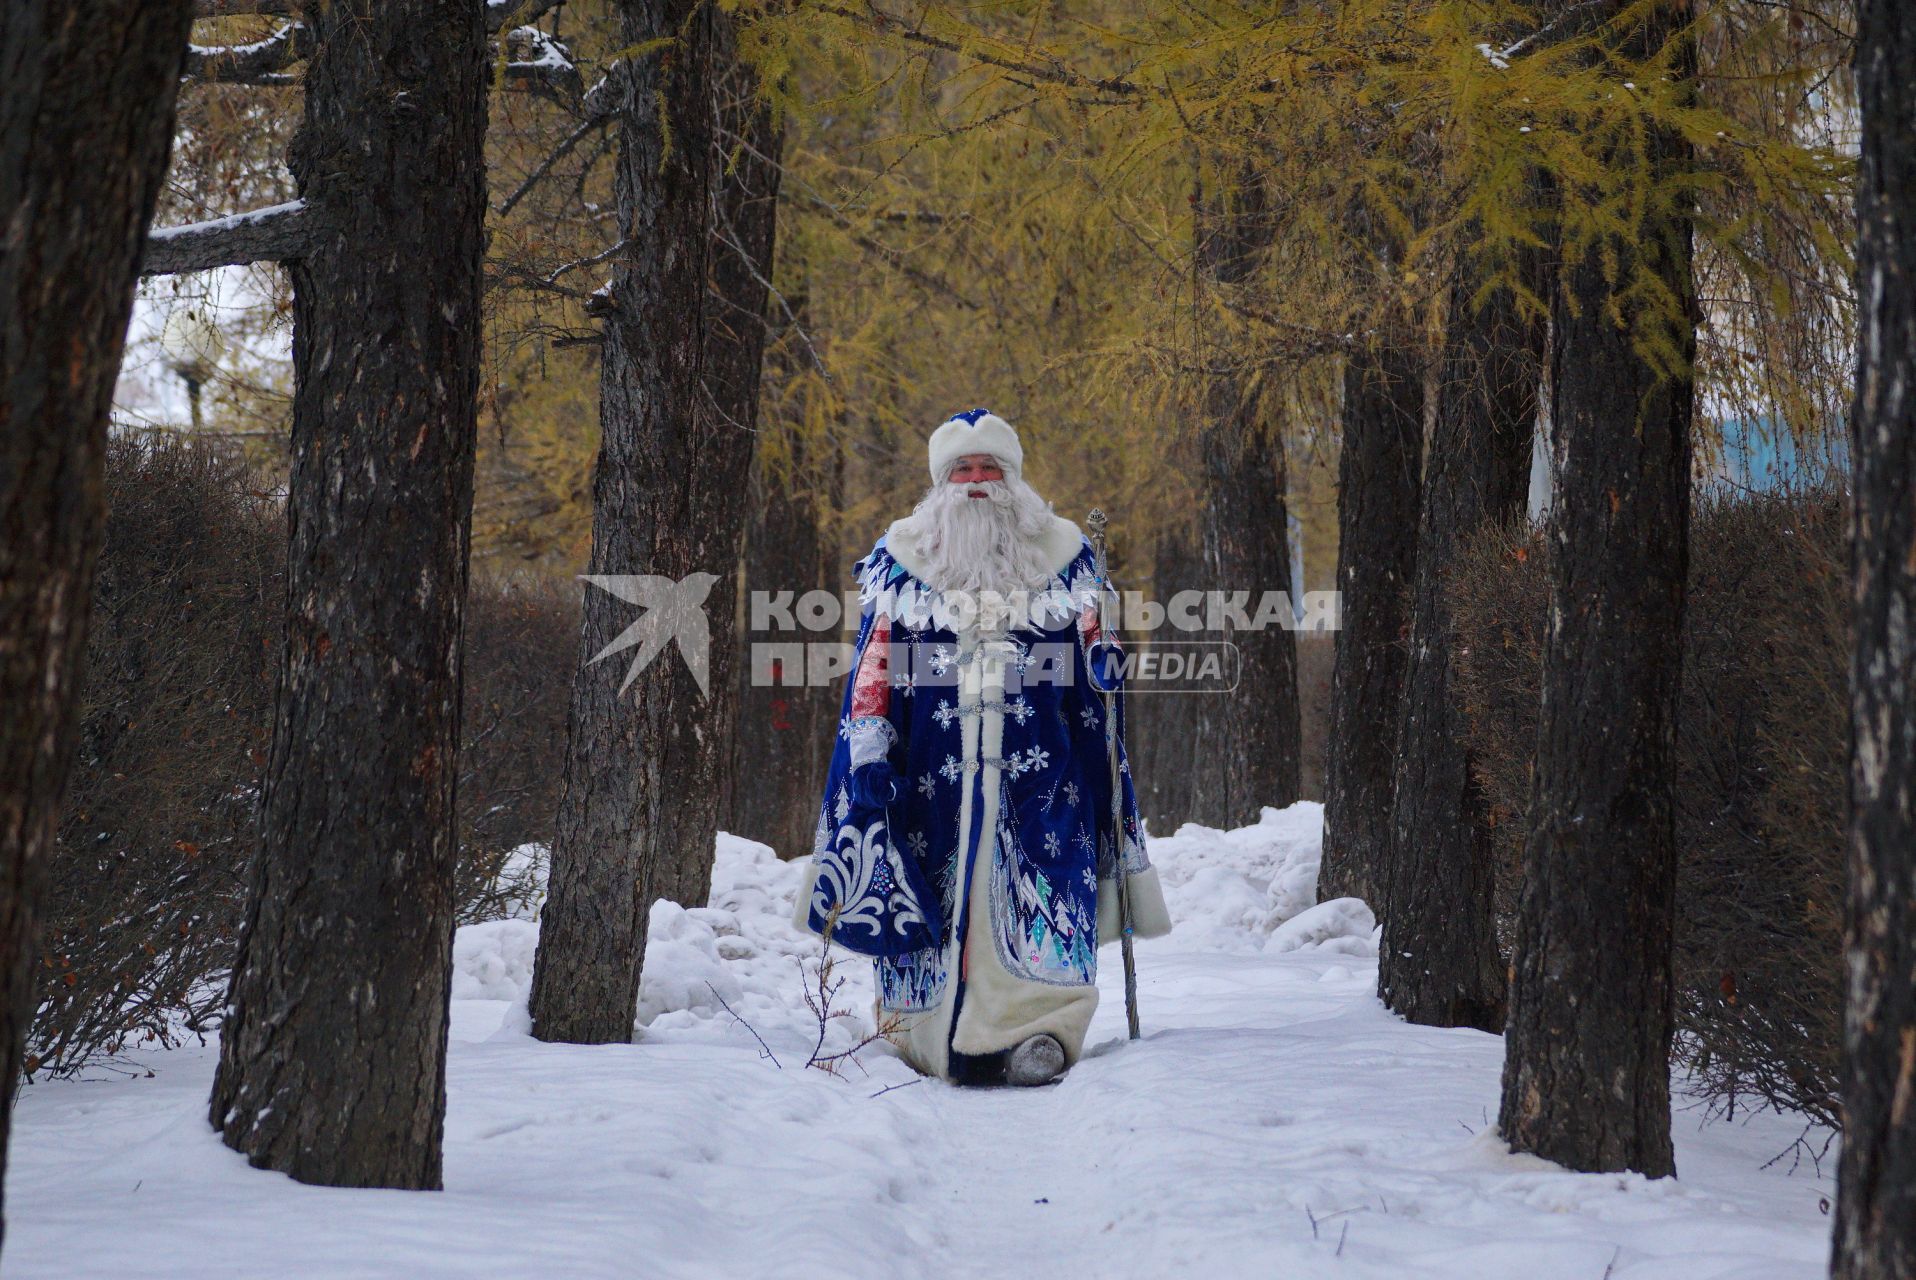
x=889 y=884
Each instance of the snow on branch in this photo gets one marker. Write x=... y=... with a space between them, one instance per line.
x=498 y=12
x=543 y=64
x=1567 y=25
x=261 y=62
x=501 y=13
x=536 y=61
x=272 y=234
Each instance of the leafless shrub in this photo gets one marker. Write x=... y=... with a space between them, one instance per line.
x=1761 y=741
x=821 y=989
x=148 y=873
x=147 y=882
x=522 y=638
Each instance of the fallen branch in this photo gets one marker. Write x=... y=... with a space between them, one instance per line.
x=765 y=1050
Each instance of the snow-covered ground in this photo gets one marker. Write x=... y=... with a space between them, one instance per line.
x=1274 y=1121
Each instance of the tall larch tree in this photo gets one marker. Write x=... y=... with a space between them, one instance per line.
x=1378 y=487
x=645 y=767
x=1876 y=1179
x=1439 y=963
x=1244 y=524
x=86 y=118
x=1586 y=1078
x=332 y=1061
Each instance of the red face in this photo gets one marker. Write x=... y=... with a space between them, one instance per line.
x=973 y=468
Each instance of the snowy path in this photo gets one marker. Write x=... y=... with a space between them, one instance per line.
x=1271 y=1088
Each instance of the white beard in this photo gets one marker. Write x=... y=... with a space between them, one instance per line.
x=974 y=545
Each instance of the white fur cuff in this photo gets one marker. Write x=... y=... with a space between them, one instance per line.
x=1150 y=918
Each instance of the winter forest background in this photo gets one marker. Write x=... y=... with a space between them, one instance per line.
x=1572 y=341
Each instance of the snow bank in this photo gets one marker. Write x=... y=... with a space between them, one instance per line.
x=740 y=951
x=1246 y=890
x=1342 y=925
x=1235 y=891
x=744 y=949
x=493 y=961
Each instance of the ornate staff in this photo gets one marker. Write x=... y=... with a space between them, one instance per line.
x=1096 y=521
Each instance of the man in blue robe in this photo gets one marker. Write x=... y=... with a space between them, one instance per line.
x=965 y=840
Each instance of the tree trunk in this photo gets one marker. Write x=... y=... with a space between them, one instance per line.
x=96 y=82
x=745 y=222
x=1378 y=472
x=1586 y=1077
x=332 y=1063
x=1439 y=963
x=1175 y=784
x=644 y=775
x=783 y=744
x=1252 y=733
x=780 y=741
x=1876 y=1180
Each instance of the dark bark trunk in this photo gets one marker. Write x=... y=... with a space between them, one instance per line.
x=1586 y=1077
x=1176 y=784
x=645 y=773
x=332 y=1062
x=1439 y=963
x=96 y=82
x=1250 y=733
x=785 y=734
x=780 y=743
x=1378 y=475
x=1876 y=1180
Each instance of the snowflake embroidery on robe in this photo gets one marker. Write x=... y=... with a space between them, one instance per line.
x=894 y=880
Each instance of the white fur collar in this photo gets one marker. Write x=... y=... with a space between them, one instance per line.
x=1062 y=542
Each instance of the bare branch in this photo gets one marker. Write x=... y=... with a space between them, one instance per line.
x=545 y=166
x=241 y=8
x=261 y=62
x=273 y=234
x=887 y=24
x=501 y=14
